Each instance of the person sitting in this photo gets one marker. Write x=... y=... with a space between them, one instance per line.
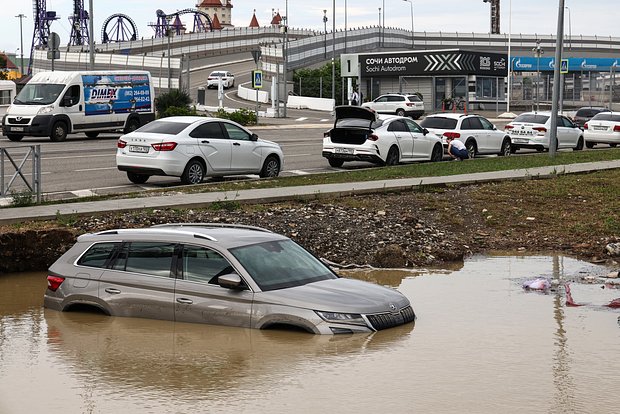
x=456 y=149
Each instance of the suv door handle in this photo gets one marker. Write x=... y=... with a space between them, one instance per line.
x=113 y=291
x=204 y=141
x=236 y=143
x=185 y=301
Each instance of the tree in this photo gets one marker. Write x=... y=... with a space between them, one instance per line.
x=311 y=82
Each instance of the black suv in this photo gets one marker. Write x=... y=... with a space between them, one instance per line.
x=584 y=114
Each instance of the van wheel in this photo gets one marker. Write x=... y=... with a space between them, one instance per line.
x=131 y=125
x=393 y=156
x=271 y=167
x=194 y=173
x=15 y=137
x=59 y=132
x=92 y=134
x=137 y=178
x=471 y=148
x=335 y=162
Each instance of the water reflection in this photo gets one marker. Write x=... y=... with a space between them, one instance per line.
x=481 y=344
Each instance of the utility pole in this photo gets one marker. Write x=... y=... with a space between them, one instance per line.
x=553 y=134
x=21 y=39
x=91 y=35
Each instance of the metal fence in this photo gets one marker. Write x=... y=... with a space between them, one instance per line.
x=20 y=170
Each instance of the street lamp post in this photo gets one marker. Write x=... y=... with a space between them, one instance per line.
x=91 y=36
x=21 y=38
x=538 y=51
x=345 y=26
x=411 y=3
x=379 y=25
x=383 y=25
x=333 y=49
x=570 y=31
x=325 y=32
x=285 y=67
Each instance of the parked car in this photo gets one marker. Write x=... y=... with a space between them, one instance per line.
x=217 y=274
x=227 y=78
x=478 y=134
x=584 y=114
x=603 y=128
x=359 y=134
x=193 y=148
x=532 y=130
x=397 y=104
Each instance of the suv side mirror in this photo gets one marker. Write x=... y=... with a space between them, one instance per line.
x=231 y=281
x=253 y=137
x=424 y=131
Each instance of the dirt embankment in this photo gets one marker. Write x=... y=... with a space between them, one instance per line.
x=572 y=215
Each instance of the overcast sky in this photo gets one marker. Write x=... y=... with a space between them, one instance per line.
x=591 y=17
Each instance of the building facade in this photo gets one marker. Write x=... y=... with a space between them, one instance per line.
x=221 y=8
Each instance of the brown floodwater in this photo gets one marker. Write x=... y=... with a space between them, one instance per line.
x=481 y=344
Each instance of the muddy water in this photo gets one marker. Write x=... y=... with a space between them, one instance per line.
x=480 y=345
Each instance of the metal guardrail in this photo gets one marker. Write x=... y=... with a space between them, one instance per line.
x=34 y=185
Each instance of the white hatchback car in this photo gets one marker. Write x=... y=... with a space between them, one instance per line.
x=532 y=130
x=193 y=148
x=360 y=135
x=397 y=104
x=603 y=128
x=478 y=134
x=227 y=79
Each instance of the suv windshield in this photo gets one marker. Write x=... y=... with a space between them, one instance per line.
x=532 y=118
x=281 y=264
x=39 y=94
x=438 y=122
x=589 y=112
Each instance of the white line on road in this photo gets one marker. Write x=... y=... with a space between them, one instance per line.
x=79 y=156
x=298 y=155
x=83 y=193
x=303 y=118
x=298 y=172
x=96 y=169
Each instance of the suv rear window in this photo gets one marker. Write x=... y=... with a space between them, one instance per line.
x=163 y=127
x=438 y=122
x=414 y=98
x=606 y=116
x=97 y=255
x=532 y=118
x=588 y=112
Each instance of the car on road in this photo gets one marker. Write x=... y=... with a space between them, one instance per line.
x=227 y=79
x=603 y=128
x=584 y=114
x=397 y=104
x=220 y=274
x=478 y=134
x=359 y=134
x=193 y=147
x=533 y=129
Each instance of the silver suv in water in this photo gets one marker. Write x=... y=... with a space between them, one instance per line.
x=218 y=274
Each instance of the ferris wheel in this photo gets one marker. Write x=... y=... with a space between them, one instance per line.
x=119 y=28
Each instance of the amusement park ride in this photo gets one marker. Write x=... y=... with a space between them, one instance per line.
x=116 y=28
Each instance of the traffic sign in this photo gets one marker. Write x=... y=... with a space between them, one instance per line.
x=257 y=79
x=564 y=66
x=256 y=55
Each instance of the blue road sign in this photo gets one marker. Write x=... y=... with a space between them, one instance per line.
x=257 y=79
x=564 y=66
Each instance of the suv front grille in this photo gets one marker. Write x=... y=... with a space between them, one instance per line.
x=389 y=320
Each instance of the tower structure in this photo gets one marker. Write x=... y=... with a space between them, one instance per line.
x=494 y=15
x=42 y=22
x=79 y=24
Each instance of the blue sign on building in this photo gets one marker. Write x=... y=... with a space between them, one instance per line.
x=546 y=64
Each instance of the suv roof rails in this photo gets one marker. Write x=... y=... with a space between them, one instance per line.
x=214 y=225
x=142 y=229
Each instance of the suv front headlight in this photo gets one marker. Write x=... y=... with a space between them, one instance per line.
x=336 y=317
x=46 y=110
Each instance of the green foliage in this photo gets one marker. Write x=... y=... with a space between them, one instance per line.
x=67 y=220
x=311 y=82
x=176 y=97
x=22 y=198
x=225 y=205
x=241 y=116
x=178 y=111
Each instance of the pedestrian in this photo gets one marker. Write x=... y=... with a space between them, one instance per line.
x=456 y=149
x=355 y=98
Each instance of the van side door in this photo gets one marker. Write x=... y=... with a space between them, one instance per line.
x=72 y=105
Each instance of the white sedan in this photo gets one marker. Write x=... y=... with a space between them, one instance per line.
x=215 y=77
x=533 y=130
x=193 y=148
x=360 y=135
x=603 y=128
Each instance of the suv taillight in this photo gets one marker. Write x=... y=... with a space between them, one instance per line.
x=165 y=146
x=121 y=144
x=585 y=126
x=453 y=135
x=410 y=104
x=54 y=282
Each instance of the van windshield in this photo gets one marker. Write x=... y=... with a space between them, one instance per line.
x=39 y=94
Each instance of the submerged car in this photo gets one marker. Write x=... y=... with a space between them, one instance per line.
x=217 y=274
x=359 y=134
x=194 y=147
x=603 y=128
x=533 y=130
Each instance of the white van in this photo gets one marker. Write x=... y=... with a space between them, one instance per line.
x=55 y=104
x=7 y=94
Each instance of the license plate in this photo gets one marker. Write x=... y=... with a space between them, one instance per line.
x=344 y=151
x=519 y=140
x=17 y=129
x=600 y=128
x=138 y=148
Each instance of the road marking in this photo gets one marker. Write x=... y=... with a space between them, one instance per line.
x=83 y=193
x=303 y=118
x=78 y=156
x=96 y=169
x=325 y=120
x=298 y=155
x=298 y=172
